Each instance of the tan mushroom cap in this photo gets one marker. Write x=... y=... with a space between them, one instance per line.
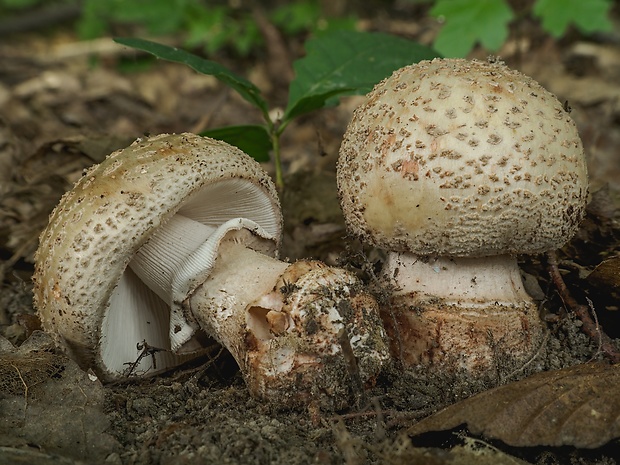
x=462 y=158
x=114 y=209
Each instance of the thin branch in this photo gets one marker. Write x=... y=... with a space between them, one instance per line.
x=589 y=326
x=21 y=378
x=145 y=350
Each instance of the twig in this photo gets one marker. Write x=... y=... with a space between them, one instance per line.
x=279 y=62
x=21 y=378
x=589 y=327
x=40 y=18
x=398 y=418
x=591 y=306
x=205 y=121
x=202 y=369
x=543 y=343
x=352 y=368
x=145 y=350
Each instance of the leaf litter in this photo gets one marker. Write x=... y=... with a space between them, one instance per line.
x=577 y=406
x=46 y=399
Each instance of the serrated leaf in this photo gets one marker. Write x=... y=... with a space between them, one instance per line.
x=587 y=15
x=245 y=88
x=345 y=63
x=468 y=22
x=577 y=406
x=253 y=140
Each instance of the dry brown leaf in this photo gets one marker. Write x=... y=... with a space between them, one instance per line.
x=607 y=273
x=37 y=181
x=43 y=392
x=67 y=157
x=577 y=406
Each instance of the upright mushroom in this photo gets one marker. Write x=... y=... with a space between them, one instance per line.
x=455 y=167
x=177 y=233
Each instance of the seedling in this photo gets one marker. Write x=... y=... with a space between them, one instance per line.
x=336 y=64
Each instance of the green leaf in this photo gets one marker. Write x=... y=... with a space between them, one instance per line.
x=245 y=88
x=296 y=17
x=588 y=15
x=209 y=28
x=347 y=62
x=93 y=20
x=470 y=21
x=253 y=140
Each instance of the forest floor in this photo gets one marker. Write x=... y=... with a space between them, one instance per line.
x=61 y=111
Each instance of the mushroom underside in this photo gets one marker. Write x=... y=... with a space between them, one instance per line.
x=145 y=306
x=283 y=323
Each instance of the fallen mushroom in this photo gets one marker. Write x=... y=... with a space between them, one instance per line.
x=177 y=233
x=454 y=167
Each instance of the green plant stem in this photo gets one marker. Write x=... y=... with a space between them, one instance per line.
x=275 y=142
x=275 y=128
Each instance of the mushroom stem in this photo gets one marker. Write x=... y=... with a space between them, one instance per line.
x=184 y=254
x=459 y=311
x=283 y=323
x=467 y=282
x=239 y=277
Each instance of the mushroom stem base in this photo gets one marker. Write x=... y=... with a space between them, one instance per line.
x=301 y=332
x=460 y=313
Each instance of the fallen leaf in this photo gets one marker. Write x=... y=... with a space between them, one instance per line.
x=606 y=273
x=42 y=392
x=577 y=406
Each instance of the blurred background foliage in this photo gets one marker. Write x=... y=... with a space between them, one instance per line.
x=213 y=26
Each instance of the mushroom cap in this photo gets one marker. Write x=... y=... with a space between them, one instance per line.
x=462 y=158
x=81 y=272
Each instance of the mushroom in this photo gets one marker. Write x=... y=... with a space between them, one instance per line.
x=178 y=234
x=455 y=167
